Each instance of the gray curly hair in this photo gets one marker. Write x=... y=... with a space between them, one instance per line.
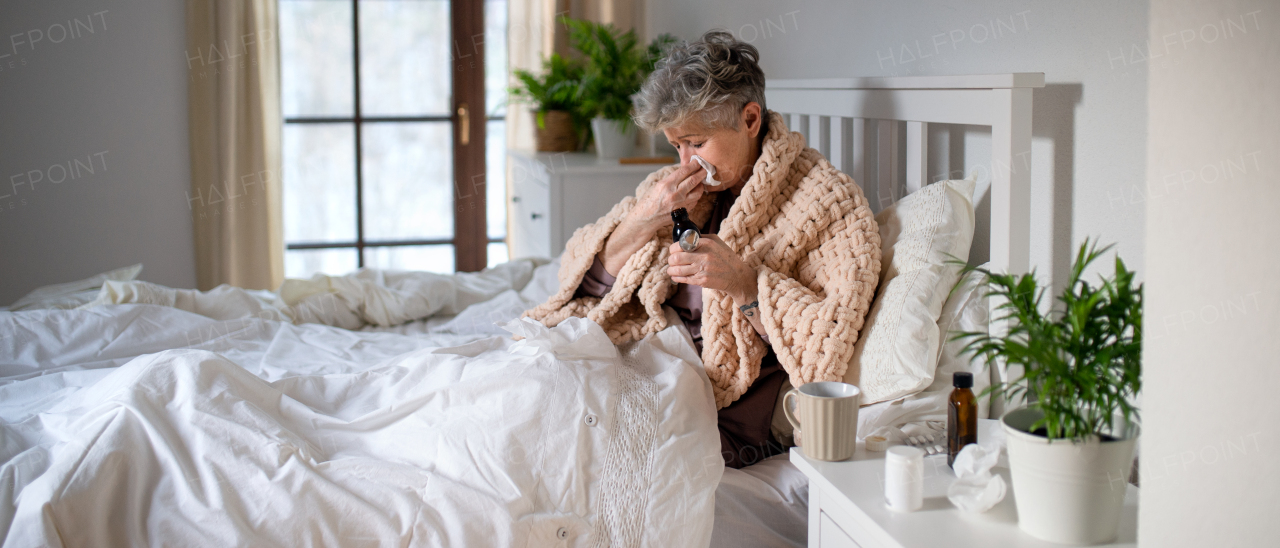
x=707 y=81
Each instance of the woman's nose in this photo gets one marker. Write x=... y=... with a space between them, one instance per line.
x=686 y=156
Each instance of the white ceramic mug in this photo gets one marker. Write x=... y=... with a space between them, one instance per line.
x=828 y=416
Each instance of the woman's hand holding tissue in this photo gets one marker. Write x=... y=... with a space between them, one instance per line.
x=681 y=188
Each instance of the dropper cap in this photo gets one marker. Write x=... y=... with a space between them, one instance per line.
x=962 y=380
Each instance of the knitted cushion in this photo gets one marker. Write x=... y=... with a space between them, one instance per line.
x=899 y=352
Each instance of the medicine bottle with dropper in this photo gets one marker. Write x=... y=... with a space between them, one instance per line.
x=683 y=231
x=962 y=416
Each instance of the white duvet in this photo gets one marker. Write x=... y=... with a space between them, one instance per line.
x=150 y=425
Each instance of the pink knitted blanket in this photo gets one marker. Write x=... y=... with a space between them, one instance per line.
x=803 y=225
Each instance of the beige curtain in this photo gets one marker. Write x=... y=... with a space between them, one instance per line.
x=527 y=36
x=233 y=95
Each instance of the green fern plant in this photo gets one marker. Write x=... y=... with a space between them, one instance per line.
x=1081 y=362
x=555 y=89
x=616 y=65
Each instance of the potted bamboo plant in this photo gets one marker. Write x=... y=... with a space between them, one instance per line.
x=554 y=99
x=616 y=65
x=1071 y=447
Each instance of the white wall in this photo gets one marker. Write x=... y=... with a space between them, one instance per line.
x=1089 y=122
x=1210 y=469
x=114 y=98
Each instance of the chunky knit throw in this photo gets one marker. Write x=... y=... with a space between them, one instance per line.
x=803 y=225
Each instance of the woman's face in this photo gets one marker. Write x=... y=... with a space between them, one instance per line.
x=733 y=152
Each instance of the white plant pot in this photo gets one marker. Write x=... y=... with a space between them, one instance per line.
x=1066 y=492
x=611 y=141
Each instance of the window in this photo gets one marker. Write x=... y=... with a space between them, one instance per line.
x=375 y=171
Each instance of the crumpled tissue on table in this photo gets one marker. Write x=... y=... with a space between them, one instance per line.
x=976 y=489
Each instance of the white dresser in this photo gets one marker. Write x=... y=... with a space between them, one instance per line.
x=847 y=510
x=553 y=194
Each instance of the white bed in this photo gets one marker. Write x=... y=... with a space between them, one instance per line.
x=235 y=417
x=130 y=424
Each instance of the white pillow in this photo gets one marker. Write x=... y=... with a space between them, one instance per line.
x=966 y=310
x=898 y=351
x=73 y=294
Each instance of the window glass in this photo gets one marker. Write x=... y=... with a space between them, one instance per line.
x=429 y=258
x=318 y=161
x=404 y=57
x=498 y=254
x=495 y=177
x=315 y=58
x=408 y=181
x=303 y=263
x=496 y=79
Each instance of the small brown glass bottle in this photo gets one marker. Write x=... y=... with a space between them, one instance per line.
x=962 y=416
x=684 y=232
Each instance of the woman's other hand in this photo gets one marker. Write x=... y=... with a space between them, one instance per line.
x=681 y=188
x=713 y=265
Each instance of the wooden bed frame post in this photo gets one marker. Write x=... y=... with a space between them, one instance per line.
x=1010 y=208
x=917 y=156
x=1011 y=181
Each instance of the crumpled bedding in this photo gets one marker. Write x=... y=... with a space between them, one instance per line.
x=140 y=424
x=366 y=297
x=72 y=294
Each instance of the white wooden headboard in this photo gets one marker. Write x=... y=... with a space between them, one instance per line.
x=840 y=116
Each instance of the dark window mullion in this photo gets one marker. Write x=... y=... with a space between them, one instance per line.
x=355 y=53
x=319 y=245
x=366 y=119
x=370 y=243
x=379 y=243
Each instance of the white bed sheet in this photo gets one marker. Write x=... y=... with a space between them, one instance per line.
x=260 y=431
x=765 y=505
x=481 y=318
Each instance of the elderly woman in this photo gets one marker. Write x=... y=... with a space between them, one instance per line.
x=778 y=286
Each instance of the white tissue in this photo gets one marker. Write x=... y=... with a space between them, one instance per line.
x=710 y=169
x=976 y=489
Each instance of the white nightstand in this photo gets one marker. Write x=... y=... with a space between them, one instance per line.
x=554 y=193
x=846 y=508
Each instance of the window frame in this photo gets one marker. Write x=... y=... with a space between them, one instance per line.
x=470 y=239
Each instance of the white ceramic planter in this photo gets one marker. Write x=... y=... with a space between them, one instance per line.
x=1067 y=492
x=611 y=141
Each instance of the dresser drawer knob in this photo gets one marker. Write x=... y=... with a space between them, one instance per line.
x=535 y=216
x=515 y=199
